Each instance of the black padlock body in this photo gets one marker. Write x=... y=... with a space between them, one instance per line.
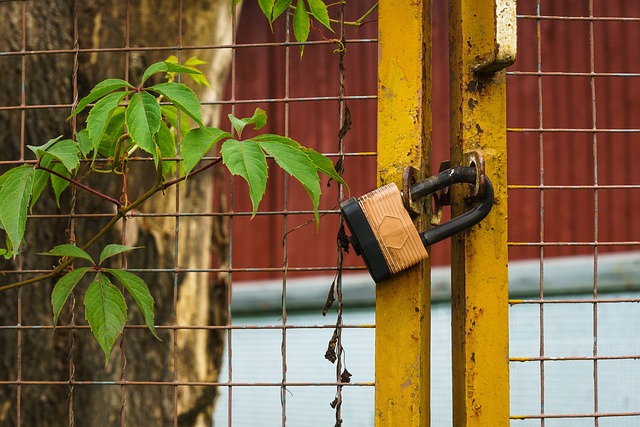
x=364 y=241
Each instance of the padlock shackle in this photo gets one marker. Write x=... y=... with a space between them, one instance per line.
x=467 y=219
x=442 y=180
x=383 y=233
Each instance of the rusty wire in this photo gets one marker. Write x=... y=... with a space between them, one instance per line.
x=595 y=244
x=289 y=102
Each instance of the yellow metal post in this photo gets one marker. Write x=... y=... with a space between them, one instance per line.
x=479 y=50
x=404 y=139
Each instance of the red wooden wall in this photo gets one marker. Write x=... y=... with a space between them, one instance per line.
x=563 y=158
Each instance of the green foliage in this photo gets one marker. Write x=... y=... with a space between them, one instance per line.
x=301 y=24
x=168 y=67
x=100 y=90
x=197 y=143
x=15 y=194
x=319 y=11
x=59 y=184
x=71 y=251
x=155 y=119
x=246 y=159
x=113 y=250
x=143 y=120
x=290 y=156
x=140 y=293
x=65 y=151
x=106 y=312
x=100 y=116
x=259 y=119
x=63 y=289
x=302 y=14
x=192 y=64
x=182 y=97
x=105 y=306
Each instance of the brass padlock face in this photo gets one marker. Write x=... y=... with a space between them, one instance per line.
x=384 y=232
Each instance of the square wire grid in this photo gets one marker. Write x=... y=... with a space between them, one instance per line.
x=310 y=103
x=573 y=128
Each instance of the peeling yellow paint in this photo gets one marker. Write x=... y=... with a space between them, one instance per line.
x=404 y=129
x=479 y=256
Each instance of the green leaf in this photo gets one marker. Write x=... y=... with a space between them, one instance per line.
x=40 y=179
x=58 y=184
x=324 y=165
x=43 y=147
x=320 y=12
x=143 y=120
x=279 y=7
x=140 y=293
x=291 y=157
x=101 y=89
x=166 y=67
x=5 y=176
x=63 y=289
x=259 y=119
x=71 y=251
x=17 y=185
x=65 y=151
x=191 y=64
x=9 y=252
x=68 y=152
x=301 y=24
x=197 y=144
x=246 y=159
x=170 y=113
x=114 y=249
x=113 y=132
x=194 y=61
x=105 y=311
x=84 y=142
x=182 y=97
x=100 y=116
x=267 y=8
x=200 y=79
x=166 y=143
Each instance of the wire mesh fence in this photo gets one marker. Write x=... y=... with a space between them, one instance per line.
x=571 y=145
x=572 y=141
x=203 y=244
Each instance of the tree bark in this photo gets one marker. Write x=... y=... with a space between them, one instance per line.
x=70 y=356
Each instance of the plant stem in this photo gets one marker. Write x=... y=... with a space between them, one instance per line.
x=80 y=185
x=118 y=149
x=121 y=213
x=369 y=12
x=193 y=172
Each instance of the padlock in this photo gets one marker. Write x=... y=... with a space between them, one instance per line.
x=383 y=233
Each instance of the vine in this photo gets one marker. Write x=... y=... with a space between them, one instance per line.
x=158 y=120
x=123 y=120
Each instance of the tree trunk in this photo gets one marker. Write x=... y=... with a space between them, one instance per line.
x=70 y=357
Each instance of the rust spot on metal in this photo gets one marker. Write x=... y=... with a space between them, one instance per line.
x=475 y=86
x=406 y=384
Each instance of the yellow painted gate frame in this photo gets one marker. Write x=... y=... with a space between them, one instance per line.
x=478 y=54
